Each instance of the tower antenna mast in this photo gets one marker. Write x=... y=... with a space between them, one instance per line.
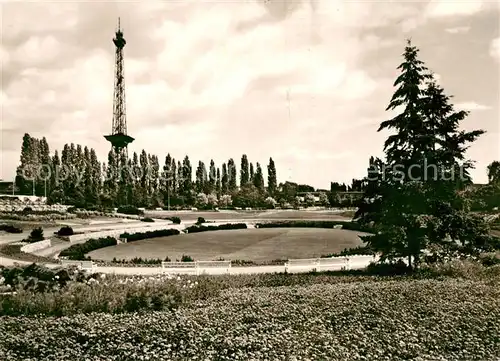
x=118 y=138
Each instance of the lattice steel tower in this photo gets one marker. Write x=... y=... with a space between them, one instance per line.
x=119 y=138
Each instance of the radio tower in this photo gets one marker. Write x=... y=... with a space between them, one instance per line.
x=119 y=138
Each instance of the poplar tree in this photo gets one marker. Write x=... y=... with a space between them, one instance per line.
x=231 y=169
x=224 y=180
x=252 y=173
x=259 y=178
x=218 y=184
x=244 y=171
x=271 y=178
x=212 y=178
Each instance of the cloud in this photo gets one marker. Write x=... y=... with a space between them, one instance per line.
x=458 y=30
x=471 y=106
x=446 y=8
x=210 y=79
x=495 y=49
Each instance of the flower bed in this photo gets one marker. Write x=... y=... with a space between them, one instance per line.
x=385 y=320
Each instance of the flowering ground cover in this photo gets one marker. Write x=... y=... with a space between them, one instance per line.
x=247 y=244
x=397 y=319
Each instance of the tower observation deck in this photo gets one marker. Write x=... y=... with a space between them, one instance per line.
x=118 y=138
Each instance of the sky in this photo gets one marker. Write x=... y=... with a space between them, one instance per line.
x=305 y=82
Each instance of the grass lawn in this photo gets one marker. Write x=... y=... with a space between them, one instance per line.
x=13 y=251
x=247 y=244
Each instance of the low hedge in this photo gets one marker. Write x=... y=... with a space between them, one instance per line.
x=139 y=261
x=175 y=220
x=132 y=210
x=351 y=226
x=77 y=251
x=9 y=228
x=65 y=231
x=150 y=234
x=228 y=226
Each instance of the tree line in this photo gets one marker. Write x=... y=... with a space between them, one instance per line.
x=76 y=176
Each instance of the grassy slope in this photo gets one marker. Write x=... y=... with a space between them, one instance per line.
x=385 y=320
x=248 y=244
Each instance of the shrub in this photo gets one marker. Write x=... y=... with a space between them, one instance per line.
x=387 y=269
x=140 y=261
x=228 y=226
x=10 y=228
x=490 y=259
x=78 y=251
x=65 y=231
x=27 y=210
x=150 y=234
x=36 y=235
x=129 y=209
x=360 y=250
x=147 y=219
x=175 y=220
x=201 y=220
x=186 y=258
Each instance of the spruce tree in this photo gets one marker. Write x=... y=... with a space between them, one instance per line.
x=405 y=197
